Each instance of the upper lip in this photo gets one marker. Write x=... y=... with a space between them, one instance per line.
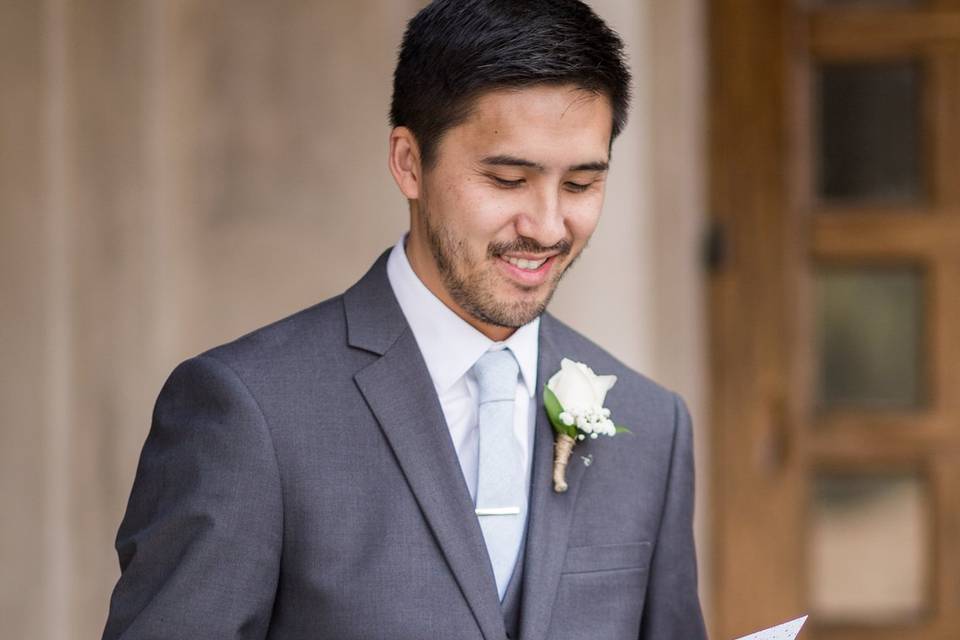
x=528 y=256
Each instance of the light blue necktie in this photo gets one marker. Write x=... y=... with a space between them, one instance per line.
x=501 y=494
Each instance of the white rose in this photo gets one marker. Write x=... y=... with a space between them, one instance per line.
x=580 y=393
x=579 y=390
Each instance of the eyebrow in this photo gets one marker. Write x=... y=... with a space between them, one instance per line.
x=511 y=161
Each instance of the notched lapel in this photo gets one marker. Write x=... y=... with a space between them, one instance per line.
x=551 y=513
x=401 y=395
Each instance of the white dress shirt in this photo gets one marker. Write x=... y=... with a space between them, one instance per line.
x=450 y=348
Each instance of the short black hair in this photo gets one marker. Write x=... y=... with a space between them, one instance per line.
x=455 y=50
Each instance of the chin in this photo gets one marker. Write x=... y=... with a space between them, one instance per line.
x=527 y=312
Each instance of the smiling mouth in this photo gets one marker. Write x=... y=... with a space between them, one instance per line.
x=529 y=275
x=526 y=265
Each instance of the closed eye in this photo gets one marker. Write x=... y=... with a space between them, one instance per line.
x=508 y=184
x=576 y=187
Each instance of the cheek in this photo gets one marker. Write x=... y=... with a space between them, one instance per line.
x=583 y=217
x=483 y=212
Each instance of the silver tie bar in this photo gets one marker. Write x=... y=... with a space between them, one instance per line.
x=498 y=511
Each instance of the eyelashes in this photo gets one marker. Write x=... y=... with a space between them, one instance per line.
x=574 y=187
x=508 y=184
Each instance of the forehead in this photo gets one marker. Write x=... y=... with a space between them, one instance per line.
x=549 y=124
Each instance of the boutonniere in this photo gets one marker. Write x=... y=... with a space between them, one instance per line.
x=574 y=399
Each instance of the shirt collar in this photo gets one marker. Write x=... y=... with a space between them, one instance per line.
x=451 y=346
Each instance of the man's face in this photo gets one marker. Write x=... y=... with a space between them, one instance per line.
x=512 y=199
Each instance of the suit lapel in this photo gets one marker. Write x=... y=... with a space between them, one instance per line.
x=399 y=391
x=550 y=512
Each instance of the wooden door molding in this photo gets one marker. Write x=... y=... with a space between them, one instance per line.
x=754 y=442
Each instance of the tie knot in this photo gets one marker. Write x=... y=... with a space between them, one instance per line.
x=496 y=373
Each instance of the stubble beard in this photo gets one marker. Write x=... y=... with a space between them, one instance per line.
x=473 y=290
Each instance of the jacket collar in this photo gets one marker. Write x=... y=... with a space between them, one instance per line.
x=374 y=317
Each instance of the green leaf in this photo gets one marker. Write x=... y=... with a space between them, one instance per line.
x=552 y=405
x=624 y=430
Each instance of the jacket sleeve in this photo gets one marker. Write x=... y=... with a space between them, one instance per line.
x=199 y=546
x=672 y=608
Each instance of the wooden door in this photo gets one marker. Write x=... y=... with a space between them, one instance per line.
x=835 y=316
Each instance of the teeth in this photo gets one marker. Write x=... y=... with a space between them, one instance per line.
x=529 y=265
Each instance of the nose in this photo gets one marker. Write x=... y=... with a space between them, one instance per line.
x=543 y=219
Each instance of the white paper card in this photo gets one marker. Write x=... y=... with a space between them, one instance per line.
x=785 y=631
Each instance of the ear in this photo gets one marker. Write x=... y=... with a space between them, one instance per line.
x=404 y=162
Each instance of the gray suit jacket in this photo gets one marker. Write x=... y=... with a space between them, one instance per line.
x=301 y=482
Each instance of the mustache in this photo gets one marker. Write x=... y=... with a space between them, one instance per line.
x=527 y=245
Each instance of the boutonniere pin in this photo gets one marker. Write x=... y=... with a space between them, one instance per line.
x=574 y=399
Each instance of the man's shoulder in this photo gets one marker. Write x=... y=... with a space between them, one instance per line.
x=308 y=334
x=641 y=390
x=576 y=346
x=322 y=329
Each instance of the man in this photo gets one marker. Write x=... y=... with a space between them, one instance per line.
x=380 y=465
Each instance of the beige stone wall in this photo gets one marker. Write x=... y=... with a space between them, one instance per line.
x=174 y=173
x=24 y=485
